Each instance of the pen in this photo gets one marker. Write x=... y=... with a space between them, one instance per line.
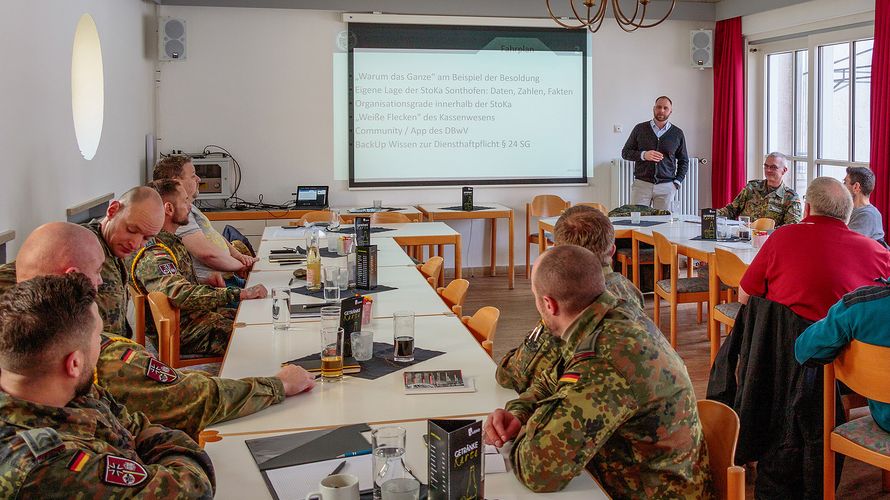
x=354 y=453
x=339 y=468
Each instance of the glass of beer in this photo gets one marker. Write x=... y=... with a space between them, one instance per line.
x=403 y=336
x=331 y=354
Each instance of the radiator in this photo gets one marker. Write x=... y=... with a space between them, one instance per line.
x=623 y=177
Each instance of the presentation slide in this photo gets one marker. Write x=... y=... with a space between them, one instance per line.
x=510 y=111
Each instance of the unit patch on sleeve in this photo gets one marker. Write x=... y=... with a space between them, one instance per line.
x=121 y=471
x=167 y=269
x=43 y=442
x=160 y=372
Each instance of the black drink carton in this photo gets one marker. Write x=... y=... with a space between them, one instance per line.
x=467 y=199
x=366 y=267
x=362 y=231
x=350 y=321
x=455 y=460
x=708 y=224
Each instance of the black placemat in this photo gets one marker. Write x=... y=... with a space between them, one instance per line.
x=372 y=210
x=730 y=240
x=381 y=363
x=322 y=252
x=461 y=209
x=351 y=230
x=642 y=223
x=302 y=290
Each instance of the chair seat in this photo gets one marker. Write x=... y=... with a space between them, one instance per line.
x=685 y=285
x=534 y=237
x=646 y=254
x=865 y=432
x=730 y=309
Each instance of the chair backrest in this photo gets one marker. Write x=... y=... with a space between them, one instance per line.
x=432 y=267
x=720 y=426
x=864 y=369
x=665 y=251
x=389 y=218
x=599 y=206
x=483 y=325
x=546 y=205
x=763 y=224
x=317 y=216
x=166 y=318
x=138 y=299
x=729 y=267
x=455 y=293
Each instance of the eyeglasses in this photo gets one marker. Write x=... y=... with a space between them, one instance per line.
x=767 y=166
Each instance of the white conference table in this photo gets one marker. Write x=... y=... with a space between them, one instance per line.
x=258 y=350
x=389 y=254
x=237 y=475
x=412 y=293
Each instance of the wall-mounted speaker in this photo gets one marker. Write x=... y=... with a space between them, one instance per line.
x=701 y=48
x=171 y=39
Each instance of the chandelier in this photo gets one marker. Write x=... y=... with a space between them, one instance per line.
x=593 y=18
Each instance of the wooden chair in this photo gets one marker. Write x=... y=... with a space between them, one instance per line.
x=389 y=218
x=431 y=269
x=725 y=272
x=624 y=256
x=763 y=224
x=864 y=369
x=675 y=290
x=166 y=318
x=138 y=299
x=454 y=294
x=483 y=325
x=543 y=205
x=313 y=216
x=720 y=426
x=599 y=206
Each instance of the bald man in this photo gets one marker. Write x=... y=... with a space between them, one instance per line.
x=128 y=223
x=619 y=401
x=184 y=400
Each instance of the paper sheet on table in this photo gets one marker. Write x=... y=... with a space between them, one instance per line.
x=300 y=480
x=281 y=233
x=742 y=245
x=495 y=463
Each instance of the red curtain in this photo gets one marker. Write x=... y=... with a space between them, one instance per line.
x=880 y=111
x=728 y=173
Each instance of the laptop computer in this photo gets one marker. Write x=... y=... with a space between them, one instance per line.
x=312 y=197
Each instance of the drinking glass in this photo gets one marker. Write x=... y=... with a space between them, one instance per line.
x=722 y=229
x=331 y=283
x=333 y=241
x=744 y=228
x=362 y=345
x=388 y=446
x=675 y=209
x=378 y=204
x=635 y=217
x=331 y=354
x=280 y=308
x=330 y=317
x=335 y=219
x=403 y=336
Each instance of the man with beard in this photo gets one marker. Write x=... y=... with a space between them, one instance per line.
x=59 y=433
x=129 y=222
x=164 y=265
x=769 y=197
x=659 y=149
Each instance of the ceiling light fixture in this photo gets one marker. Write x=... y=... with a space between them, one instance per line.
x=595 y=15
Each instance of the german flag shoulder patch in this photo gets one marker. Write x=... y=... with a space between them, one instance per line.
x=569 y=378
x=128 y=355
x=78 y=461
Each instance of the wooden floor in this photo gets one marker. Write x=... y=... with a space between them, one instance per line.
x=518 y=316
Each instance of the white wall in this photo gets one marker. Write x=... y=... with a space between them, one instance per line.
x=260 y=82
x=43 y=172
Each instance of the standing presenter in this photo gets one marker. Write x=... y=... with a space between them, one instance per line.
x=659 y=150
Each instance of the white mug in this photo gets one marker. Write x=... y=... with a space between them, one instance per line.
x=337 y=487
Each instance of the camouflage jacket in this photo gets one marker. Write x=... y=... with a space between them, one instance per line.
x=618 y=402
x=539 y=351
x=94 y=448
x=164 y=265
x=113 y=297
x=757 y=200
x=184 y=400
x=7 y=276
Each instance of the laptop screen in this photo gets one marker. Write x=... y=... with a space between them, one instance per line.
x=312 y=196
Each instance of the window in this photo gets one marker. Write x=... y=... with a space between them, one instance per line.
x=821 y=123
x=87 y=87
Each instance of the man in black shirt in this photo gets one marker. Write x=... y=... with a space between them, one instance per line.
x=659 y=150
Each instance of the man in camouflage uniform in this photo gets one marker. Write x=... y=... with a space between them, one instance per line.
x=184 y=400
x=585 y=227
x=164 y=265
x=61 y=435
x=618 y=402
x=769 y=197
x=127 y=225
